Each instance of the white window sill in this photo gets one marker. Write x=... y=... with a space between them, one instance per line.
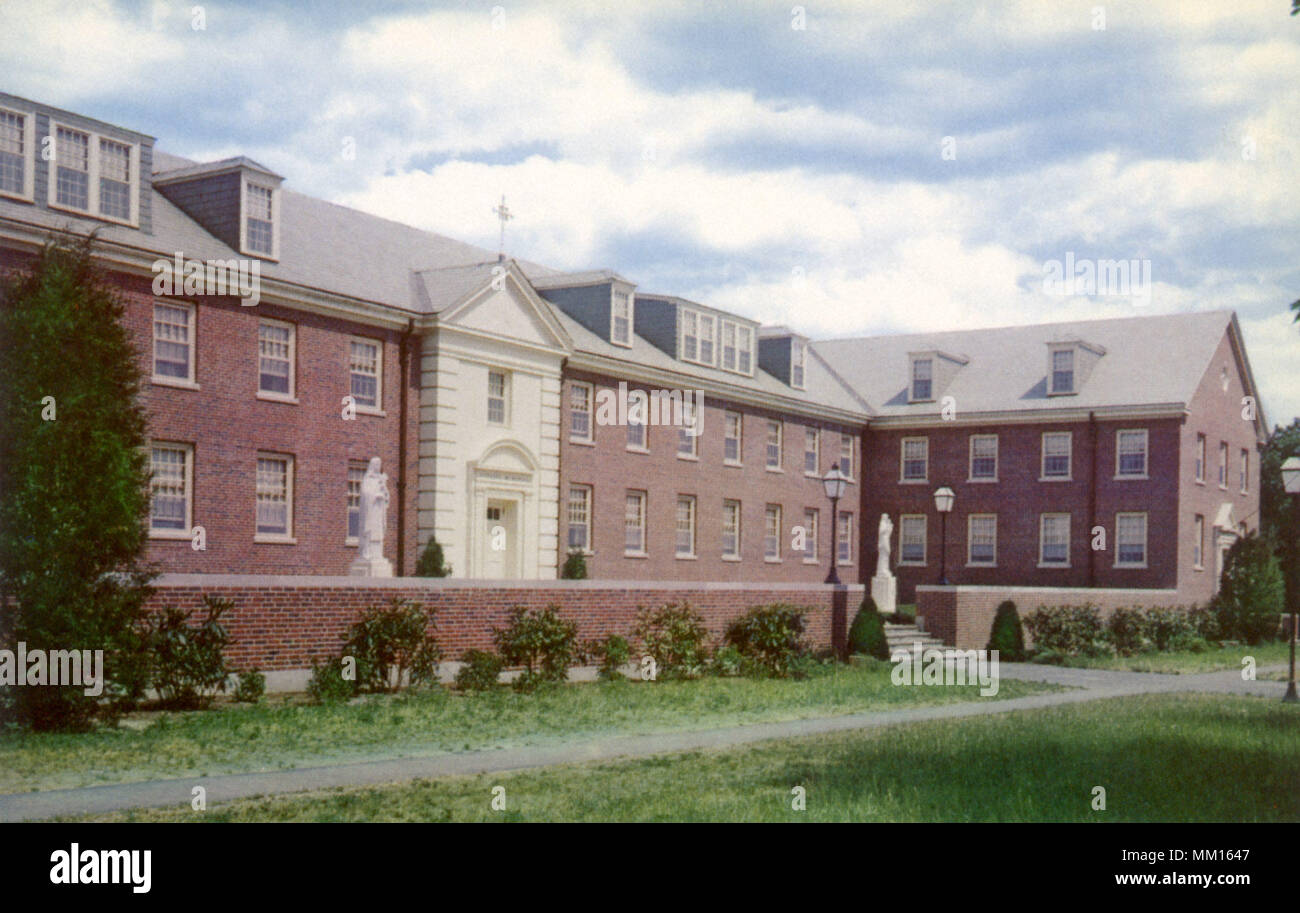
x=274 y=540
x=87 y=214
x=775 y=469
x=636 y=554
x=1198 y=567
x=1056 y=478
x=730 y=557
x=1141 y=478
x=174 y=382
x=733 y=464
x=10 y=195
x=913 y=481
x=682 y=557
x=1131 y=567
x=912 y=564
x=173 y=535
x=811 y=475
x=371 y=410
x=981 y=481
x=811 y=561
x=351 y=543
x=582 y=442
x=687 y=456
x=767 y=560
x=980 y=564
x=631 y=449
x=1200 y=482
x=277 y=398
x=1053 y=564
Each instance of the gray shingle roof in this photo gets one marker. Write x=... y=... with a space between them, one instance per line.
x=1007 y=371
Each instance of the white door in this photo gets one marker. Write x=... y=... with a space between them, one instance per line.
x=501 y=556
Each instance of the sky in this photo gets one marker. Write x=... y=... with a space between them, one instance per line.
x=841 y=168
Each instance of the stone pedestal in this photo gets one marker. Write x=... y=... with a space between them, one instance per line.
x=884 y=592
x=371 y=567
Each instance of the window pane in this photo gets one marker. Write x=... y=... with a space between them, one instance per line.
x=273 y=496
x=168 y=502
x=13 y=153
x=365 y=373
x=171 y=333
x=355 y=474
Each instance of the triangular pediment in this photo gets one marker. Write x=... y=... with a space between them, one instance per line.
x=506 y=307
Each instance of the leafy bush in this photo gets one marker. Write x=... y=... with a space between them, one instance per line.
x=251 y=687
x=727 y=661
x=1129 y=631
x=540 y=641
x=330 y=681
x=1174 y=627
x=481 y=672
x=1072 y=630
x=867 y=633
x=612 y=654
x=575 y=567
x=1251 y=591
x=431 y=562
x=769 y=638
x=674 y=635
x=394 y=644
x=1007 y=636
x=188 y=667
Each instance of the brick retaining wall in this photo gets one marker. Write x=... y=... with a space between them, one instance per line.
x=962 y=616
x=284 y=623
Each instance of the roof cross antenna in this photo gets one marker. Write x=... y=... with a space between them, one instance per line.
x=505 y=216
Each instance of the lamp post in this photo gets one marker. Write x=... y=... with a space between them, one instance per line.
x=943 y=499
x=834 y=484
x=1291 y=483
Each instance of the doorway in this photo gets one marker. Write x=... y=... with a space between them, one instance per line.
x=501 y=539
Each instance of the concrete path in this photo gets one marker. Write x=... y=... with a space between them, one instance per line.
x=1091 y=684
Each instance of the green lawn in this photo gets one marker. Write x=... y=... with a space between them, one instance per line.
x=1212 y=660
x=1159 y=758
x=278 y=735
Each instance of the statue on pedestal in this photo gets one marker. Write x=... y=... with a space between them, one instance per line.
x=882 y=546
x=884 y=586
x=374 y=518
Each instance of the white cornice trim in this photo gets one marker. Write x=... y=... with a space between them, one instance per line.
x=1035 y=416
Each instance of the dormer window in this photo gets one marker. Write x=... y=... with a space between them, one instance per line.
x=93 y=175
x=1062 y=371
x=72 y=168
x=706 y=340
x=114 y=179
x=17 y=154
x=690 y=336
x=737 y=347
x=922 y=379
x=259 y=219
x=798 y=360
x=698 y=337
x=620 y=332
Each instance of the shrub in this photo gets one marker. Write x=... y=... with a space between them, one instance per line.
x=769 y=638
x=674 y=635
x=867 y=633
x=252 y=685
x=1007 y=636
x=431 y=563
x=575 y=567
x=1128 y=631
x=612 y=654
x=1251 y=592
x=481 y=672
x=540 y=641
x=1173 y=627
x=1071 y=630
x=187 y=666
x=727 y=661
x=394 y=644
x=331 y=682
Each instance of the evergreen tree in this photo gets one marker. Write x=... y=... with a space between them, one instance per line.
x=432 y=563
x=867 y=634
x=1007 y=635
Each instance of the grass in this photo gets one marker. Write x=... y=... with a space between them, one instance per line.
x=1158 y=757
x=1216 y=658
x=277 y=735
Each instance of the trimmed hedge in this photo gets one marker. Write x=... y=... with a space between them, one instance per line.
x=1007 y=635
x=867 y=634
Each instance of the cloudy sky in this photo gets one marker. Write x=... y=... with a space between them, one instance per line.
x=841 y=168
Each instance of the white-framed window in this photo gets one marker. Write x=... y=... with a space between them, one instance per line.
x=745 y=350
x=365 y=367
x=1198 y=542
x=1200 y=458
x=772 y=532
x=1131 y=454
x=798 y=363
x=498 y=393
x=1062 y=371
x=1057 y=455
x=581 y=400
x=636 y=435
x=847 y=456
x=1223 y=464
x=171 y=491
x=688 y=444
x=844 y=538
x=356 y=473
x=94 y=174
x=275 y=358
x=811 y=455
x=708 y=353
x=690 y=347
x=729 y=345
x=811 y=521
x=982 y=540
x=1245 y=470
x=1131 y=540
x=686 y=526
x=580 y=517
x=1054 y=540
x=773 y=453
x=731 y=442
x=260 y=235
x=915 y=459
x=912 y=539
x=983 y=457
x=634 y=524
x=274 y=496
x=620 y=328
x=922 y=379
x=731 y=530
x=173 y=342
x=17 y=154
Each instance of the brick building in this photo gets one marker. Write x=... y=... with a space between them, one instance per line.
x=485 y=385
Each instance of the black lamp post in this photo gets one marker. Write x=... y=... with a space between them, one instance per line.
x=834 y=484
x=943 y=499
x=1291 y=482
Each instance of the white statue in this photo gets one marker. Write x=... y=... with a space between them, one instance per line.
x=374 y=517
x=882 y=546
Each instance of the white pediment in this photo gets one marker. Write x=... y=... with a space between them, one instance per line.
x=1225 y=519
x=508 y=311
